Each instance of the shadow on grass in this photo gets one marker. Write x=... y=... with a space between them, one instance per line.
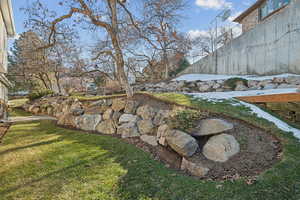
x=29 y=146
x=102 y=167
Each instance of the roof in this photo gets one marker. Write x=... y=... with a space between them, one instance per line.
x=7 y=15
x=249 y=10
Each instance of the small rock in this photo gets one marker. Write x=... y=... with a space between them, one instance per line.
x=163 y=131
x=145 y=126
x=152 y=140
x=204 y=88
x=196 y=169
x=146 y=112
x=182 y=143
x=241 y=87
x=212 y=127
x=106 y=127
x=220 y=148
x=118 y=104
x=298 y=90
x=128 y=118
x=128 y=130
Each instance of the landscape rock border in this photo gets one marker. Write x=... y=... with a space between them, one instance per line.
x=146 y=122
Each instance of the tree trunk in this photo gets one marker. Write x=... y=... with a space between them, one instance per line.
x=119 y=59
x=57 y=81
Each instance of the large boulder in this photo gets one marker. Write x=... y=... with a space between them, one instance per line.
x=151 y=140
x=170 y=157
x=108 y=114
x=106 y=127
x=145 y=127
x=118 y=104
x=220 y=148
x=116 y=116
x=162 y=132
x=128 y=118
x=212 y=127
x=131 y=106
x=77 y=111
x=146 y=112
x=128 y=130
x=182 y=143
x=161 y=117
x=196 y=169
x=88 y=122
x=66 y=120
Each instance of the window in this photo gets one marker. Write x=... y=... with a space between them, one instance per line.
x=270 y=6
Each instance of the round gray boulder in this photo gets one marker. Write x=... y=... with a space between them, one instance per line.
x=220 y=148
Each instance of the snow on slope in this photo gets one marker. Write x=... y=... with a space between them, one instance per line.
x=213 y=77
x=279 y=123
x=220 y=96
x=232 y=94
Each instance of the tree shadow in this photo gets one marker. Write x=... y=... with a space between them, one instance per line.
x=145 y=178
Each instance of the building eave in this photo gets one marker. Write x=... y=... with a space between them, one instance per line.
x=8 y=17
x=249 y=10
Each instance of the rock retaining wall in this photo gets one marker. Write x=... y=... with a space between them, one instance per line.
x=220 y=86
x=140 y=119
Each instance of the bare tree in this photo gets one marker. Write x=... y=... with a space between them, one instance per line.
x=161 y=19
x=99 y=14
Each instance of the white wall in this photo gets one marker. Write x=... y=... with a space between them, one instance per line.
x=272 y=47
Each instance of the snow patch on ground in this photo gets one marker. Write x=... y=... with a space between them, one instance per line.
x=232 y=94
x=279 y=123
x=214 y=77
x=221 y=96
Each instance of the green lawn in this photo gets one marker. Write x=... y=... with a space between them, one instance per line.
x=41 y=161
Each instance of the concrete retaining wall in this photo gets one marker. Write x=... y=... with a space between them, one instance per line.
x=272 y=47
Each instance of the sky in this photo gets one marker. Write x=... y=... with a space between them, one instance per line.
x=197 y=16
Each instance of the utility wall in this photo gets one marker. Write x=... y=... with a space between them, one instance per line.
x=272 y=47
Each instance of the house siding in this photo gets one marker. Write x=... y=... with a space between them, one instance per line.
x=250 y=21
x=3 y=68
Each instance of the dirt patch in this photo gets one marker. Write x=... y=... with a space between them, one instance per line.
x=259 y=151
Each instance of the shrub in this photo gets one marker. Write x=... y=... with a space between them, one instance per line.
x=39 y=94
x=186 y=120
x=182 y=65
x=232 y=82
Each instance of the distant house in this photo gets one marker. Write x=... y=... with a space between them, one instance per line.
x=260 y=11
x=7 y=29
